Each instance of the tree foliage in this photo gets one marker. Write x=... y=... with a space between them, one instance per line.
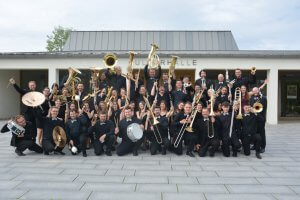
x=58 y=38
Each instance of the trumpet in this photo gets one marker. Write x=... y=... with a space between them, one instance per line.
x=153 y=59
x=238 y=99
x=253 y=69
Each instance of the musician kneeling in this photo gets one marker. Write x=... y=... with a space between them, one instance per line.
x=22 y=135
x=158 y=135
x=103 y=132
x=54 y=136
x=76 y=138
x=249 y=132
x=129 y=144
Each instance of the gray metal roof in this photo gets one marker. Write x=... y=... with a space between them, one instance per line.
x=285 y=54
x=142 y=40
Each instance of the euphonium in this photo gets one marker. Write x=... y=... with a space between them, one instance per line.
x=72 y=76
x=153 y=59
x=110 y=60
x=238 y=99
x=172 y=65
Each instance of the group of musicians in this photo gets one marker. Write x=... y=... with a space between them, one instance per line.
x=173 y=114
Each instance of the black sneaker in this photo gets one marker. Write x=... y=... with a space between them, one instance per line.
x=108 y=153
x=46 y=153
x=59 y=153
x=19 y=153
x=258 y=156
x=84 y=154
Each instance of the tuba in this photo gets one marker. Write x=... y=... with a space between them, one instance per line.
x=153 y=59
x=110 y=60
x=172 y=65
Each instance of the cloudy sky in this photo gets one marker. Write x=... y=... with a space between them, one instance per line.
x=256 y=24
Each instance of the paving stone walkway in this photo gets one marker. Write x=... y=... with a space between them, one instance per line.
x=146 y=177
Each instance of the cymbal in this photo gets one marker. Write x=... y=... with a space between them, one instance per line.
x=33 y=99
x=59 y=136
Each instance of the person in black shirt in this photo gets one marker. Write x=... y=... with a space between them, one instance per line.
x=257 y=97
x=249 y=132
x=178 y=95
x=74 y=135
x=151 y=76
x=180 y=120
x=161 y=131
x=103 y=84
x=220 y=82
x=116 y=80
x=208 y=134
x=25 y=141
x=227 y=130
x=103 y=131
x=127 y=145
x=48 y=124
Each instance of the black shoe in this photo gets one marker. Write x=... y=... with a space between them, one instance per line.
x=234 y=154
x=258 y=156
x=201 y=154
x=46 y=153
x=19 y=153
x=164 y=151
x=262 y=151
x=135 y=153
x=189 y=153
x=108 y=153
x=84 y=154
x=252 y=147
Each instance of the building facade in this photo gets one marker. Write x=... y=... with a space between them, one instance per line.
x=214 y=51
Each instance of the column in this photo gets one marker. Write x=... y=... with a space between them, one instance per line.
x=52 y=76
x=272 y=96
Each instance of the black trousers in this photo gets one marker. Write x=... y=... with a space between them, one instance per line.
x=98 y=146
x=189 y=139
x=262 y=131
x=154 y=145
x=210 y=145
x=127 y=146
x=80 y=142
x=22 y=145
x=233 y=142
x=247 y=140
x=48 y=146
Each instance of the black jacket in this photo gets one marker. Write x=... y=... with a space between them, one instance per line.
x=100 y=129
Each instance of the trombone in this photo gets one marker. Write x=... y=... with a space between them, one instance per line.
x=155 y=122
x=238 y=99
x=181 y=132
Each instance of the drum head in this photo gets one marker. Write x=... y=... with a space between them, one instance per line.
x=134 y=132
x=33 y=99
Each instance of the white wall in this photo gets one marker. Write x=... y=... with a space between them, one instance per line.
x=10 y=99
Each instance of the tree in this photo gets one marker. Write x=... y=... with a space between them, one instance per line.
x=58 y=38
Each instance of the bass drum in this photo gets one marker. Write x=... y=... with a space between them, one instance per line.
x=134 y=132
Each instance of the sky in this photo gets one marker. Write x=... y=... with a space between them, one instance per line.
x=255 y=24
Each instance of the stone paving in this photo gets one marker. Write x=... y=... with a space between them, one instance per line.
x=146 y=177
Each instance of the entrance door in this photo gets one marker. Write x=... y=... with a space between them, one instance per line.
x=290 y=93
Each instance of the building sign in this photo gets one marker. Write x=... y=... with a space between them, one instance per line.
x=292 y=91
x=166 y=62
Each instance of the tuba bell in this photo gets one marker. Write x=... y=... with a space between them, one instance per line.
x=257 y=107
x=73 y=76
x=110 y=60
x=153 y=59
x=253 y=69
